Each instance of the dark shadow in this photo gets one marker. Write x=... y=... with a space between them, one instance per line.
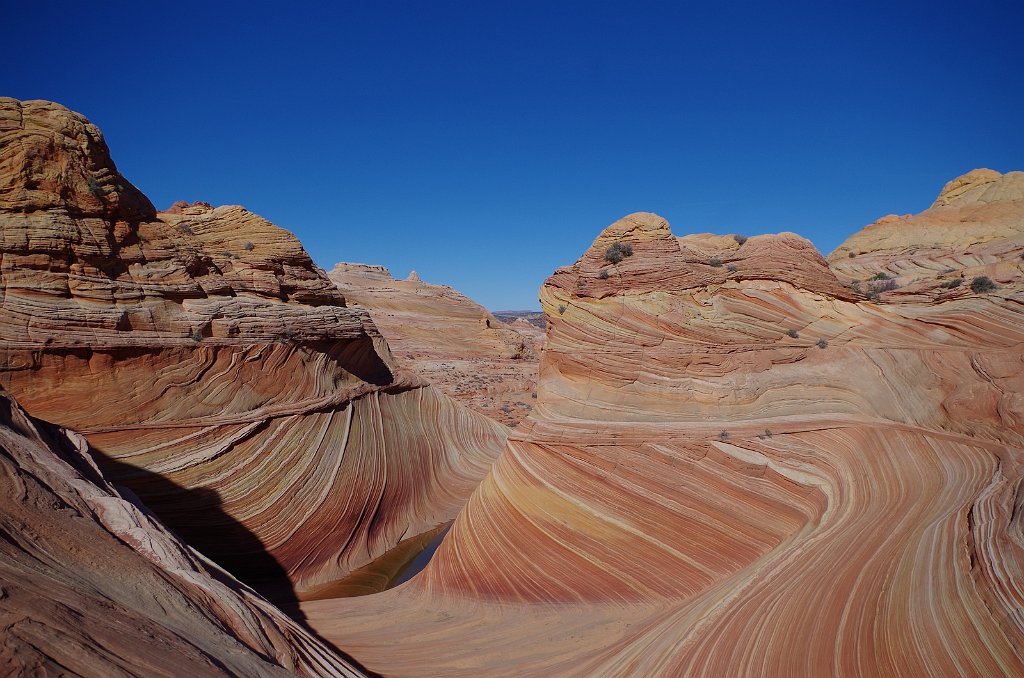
x=197 y=517
x=358 y=357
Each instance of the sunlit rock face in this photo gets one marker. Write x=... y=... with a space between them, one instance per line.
x=974 y=228
x=214 y=368
x=449 y=339
x=739 y=465
x=92 y=584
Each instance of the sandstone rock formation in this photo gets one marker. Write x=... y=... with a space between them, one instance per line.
x=973 y=229
x=739 y=466
x=455 y=343
x=92 y=584
x=215 y=369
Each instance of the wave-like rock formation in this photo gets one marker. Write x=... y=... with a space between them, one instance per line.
x=449 y=339
x=214 y=369
x=92 y=584
x=973 y=229
x=740 y=466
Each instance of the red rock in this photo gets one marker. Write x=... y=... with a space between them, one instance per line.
x=213 y=366
x=701 y=491
x=93 y=584
x=449 y=339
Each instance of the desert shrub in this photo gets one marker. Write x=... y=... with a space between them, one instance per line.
x=195 y=335
x=767 y=433
x=822 y=343
x=618 y=251
x=731 y=268
x=723 y=435
x=715 y=261
x=855 y=286
x=186 y=229
x=792 y=333
x=248 y=247
x=740 y=239
x=561 y=309
x=883 y=285
x=881 y=275
x=603 y=275
x=952 y=284
x=851 y=254
x=982 y=284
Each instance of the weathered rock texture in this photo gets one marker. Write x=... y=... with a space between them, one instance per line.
x=973 y=229
x=738 y=466
x=452 y=341
x=214 y=368
x=92 y=584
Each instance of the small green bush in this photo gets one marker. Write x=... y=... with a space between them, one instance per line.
x=822 y=343
x=561 y=309
x=603 y=275
x=852 y=254
x=952 y=284
x=792 y=333
x=618 y=251
x=723 y=435
x=248 y=247
x=740 y=239
x=982 y=284
x=731 y=268
x=881 y=275
x=715 y=261
x=186 y=229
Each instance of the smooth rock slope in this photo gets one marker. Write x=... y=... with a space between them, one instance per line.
x=92 y=584
x=214 y=369
x=739 y=465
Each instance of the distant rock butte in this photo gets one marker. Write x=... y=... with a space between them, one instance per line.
x=215 y=370
x=92 y=584
x=449 y=339
x=739 y=466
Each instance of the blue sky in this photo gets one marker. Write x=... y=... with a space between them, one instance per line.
x=487 y=143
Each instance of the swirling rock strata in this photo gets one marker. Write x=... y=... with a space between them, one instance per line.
x=214 y=368
x=92 y=584
x=738 y=466
x=972 y=229
x=449 y=339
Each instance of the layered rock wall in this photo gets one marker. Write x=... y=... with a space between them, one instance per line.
x=215 y=369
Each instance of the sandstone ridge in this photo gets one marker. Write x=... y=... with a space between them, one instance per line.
x=83 y=562
x=446 y=337
x=741 y=472
x=216 y=370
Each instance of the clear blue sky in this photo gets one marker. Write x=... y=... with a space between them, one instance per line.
x=487 y=143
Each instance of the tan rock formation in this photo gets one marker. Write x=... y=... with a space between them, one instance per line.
x=974 y=228
x=92 y=584
x=449 y=339
x=215 y=369
x=739 y=467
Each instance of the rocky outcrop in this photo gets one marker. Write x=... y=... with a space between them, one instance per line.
x=973 y=229
x=92 y=584
x=740 y=466
x=449 y=339
x=215 y=369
